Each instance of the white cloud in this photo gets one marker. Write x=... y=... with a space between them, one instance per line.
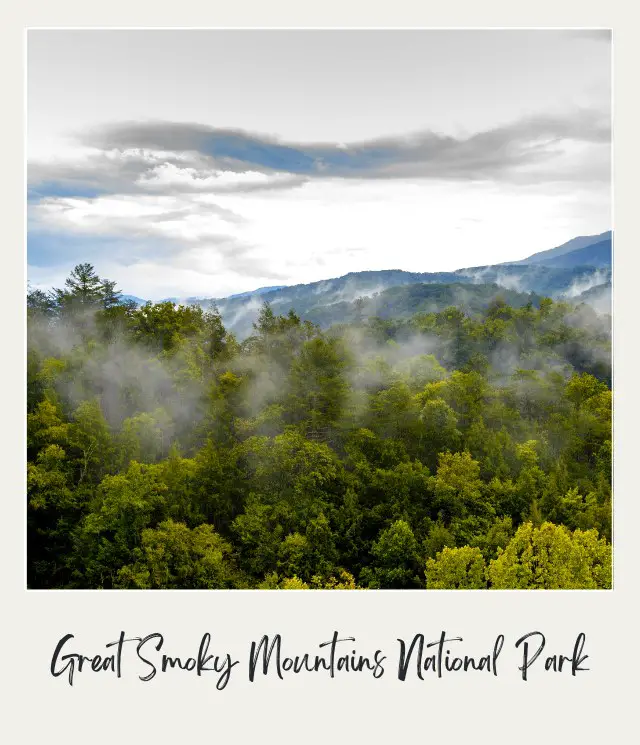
x=219 y=244
x=169 y=175
x=181 y=191
x=182 y=218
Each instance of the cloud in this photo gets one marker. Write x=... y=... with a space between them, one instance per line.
x=187 y=217
x=169 y=176
x=94 y=171
x=493 y=154
x=190 y=208
x=187 y=233
x=174 y=158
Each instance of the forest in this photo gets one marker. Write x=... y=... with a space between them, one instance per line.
x=458 y=449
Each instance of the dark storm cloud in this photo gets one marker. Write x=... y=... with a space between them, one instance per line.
x=491 y=154
x=173 y=158
x=100 y=173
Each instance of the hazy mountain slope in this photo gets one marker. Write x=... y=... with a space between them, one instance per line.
x=595 y=254
x=543 y=257
x=330 y=301
x=240 y=312
x=569 y=272
x=407 y=300
x=544 y=280
x=259 y=291
x=133 y=299
x=598 y=297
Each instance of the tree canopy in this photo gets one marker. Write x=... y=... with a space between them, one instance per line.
x=443 y=450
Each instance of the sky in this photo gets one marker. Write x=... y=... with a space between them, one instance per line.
x=209 y=162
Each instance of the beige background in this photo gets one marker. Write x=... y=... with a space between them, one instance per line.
x=593 y=707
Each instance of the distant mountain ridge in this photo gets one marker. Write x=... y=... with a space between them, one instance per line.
x=569 y=271
x=259 y=291
x=332 y=299
x=594 y=254
x=132 y=299
x=404 y=301
x=575 y=244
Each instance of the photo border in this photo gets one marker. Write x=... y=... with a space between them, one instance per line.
x=39 y=618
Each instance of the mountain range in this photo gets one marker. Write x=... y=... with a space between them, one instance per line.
x=572 y=248
x=577 y=271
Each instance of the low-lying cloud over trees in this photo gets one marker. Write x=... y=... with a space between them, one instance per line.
x=442 y=449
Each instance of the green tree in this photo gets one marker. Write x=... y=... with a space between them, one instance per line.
x=552 y=557
x=456 y=568
x=457 y=484
x=90 y=437
x=174 y=556
x=123 y=506
x=395 y=557
x=318 y=387
x=440 y=431
x=53 y=511
x=319 y=456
